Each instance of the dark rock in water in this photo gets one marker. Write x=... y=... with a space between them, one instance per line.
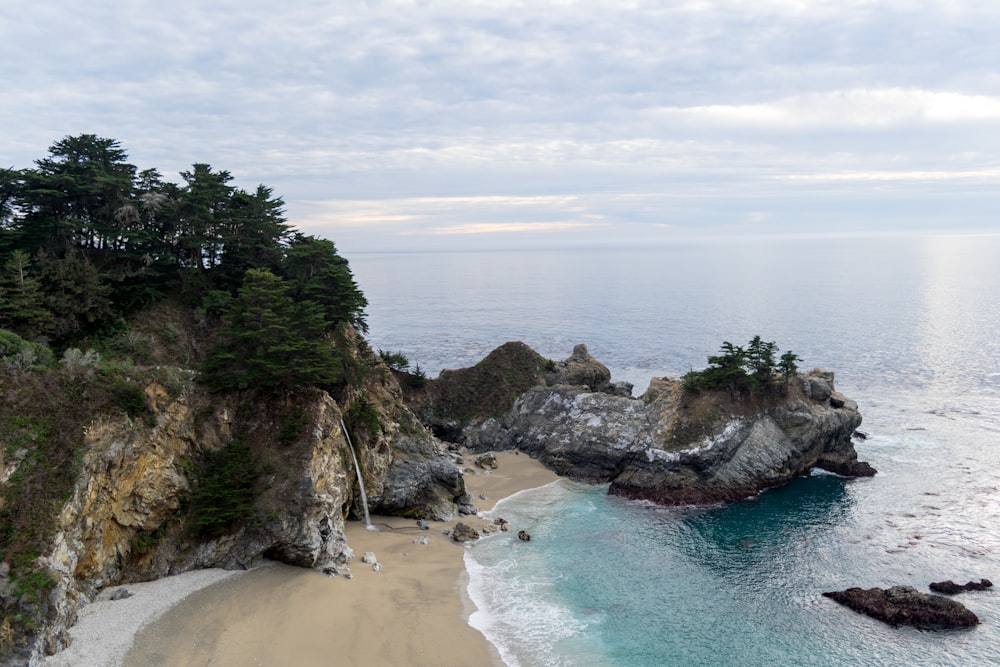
x=905 y=605
x=523 y=536
x=464 y=533
x=846 y=466
x=951 y=588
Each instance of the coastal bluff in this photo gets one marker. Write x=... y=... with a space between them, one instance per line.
x=276 y=469
x=670 y=445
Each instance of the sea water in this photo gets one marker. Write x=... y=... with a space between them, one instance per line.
x=909 y=325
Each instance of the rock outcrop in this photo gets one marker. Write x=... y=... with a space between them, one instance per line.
x=949 y=587
x=669 y=446
x=128 y=518
x=905 y=605
x=463 y=532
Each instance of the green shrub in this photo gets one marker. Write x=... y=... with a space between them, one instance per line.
x=144 y=541
x=21 y=355
x=33 y=585
x=79 y=363
x=418 y=378
x=129 y=397
x=224 y=495
x=397 y=361
x=363 y=414
x=293 y=424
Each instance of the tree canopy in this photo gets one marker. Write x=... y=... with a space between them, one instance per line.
x=86 y=239
x=745 y=370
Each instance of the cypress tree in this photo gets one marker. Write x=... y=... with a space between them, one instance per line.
x=270 y=341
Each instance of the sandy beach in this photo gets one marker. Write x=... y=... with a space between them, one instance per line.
x=412 y=611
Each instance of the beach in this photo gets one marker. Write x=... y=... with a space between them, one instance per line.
x=412 y=610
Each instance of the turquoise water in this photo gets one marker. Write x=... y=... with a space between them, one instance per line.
x=909 y=326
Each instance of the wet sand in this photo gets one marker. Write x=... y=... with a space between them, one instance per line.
x=412 y=612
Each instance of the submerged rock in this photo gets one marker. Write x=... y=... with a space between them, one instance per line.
x=905 y=605
x=949 y=587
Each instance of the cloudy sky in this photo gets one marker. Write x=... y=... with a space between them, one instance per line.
x=393 y=125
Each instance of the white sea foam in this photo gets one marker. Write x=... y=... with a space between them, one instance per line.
x=517 y=606
x=819 y=472
x=518 y=613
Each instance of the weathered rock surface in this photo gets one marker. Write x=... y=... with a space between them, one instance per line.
x=463 y=532
x=669 y=446
x=580 y=369
x=487 y=461
x=125 y=522
x=949 y=587
x=905 y=605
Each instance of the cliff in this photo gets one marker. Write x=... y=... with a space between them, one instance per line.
x=153 y=494
x=670 y=446
x=180 y=478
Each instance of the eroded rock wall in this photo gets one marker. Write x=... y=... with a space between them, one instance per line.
x=669 y=445
x=127 y=518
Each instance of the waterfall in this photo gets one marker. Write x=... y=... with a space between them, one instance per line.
x=361 y=482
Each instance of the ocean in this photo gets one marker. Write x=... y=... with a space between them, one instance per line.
x=910 y=326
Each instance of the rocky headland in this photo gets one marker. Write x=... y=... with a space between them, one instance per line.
x=136 y=511
x=670 y=445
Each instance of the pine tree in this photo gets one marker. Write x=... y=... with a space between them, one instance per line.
x=21 y=299
x=787 y=366
x=319 y=274
x=270 y=341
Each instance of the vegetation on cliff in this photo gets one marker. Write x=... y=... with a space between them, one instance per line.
x=111 y=278
x=86 y=239
x=749 y=370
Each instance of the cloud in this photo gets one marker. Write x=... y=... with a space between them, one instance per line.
x=866 y=108
x=984 y=176
x=385 y=119
x=507 y=227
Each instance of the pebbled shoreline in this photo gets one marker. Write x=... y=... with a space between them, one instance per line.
x=105 y=628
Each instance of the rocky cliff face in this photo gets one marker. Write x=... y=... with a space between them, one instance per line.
x=668 y=446
x=129 y=517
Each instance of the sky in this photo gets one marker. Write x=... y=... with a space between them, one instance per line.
x=392 y=125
